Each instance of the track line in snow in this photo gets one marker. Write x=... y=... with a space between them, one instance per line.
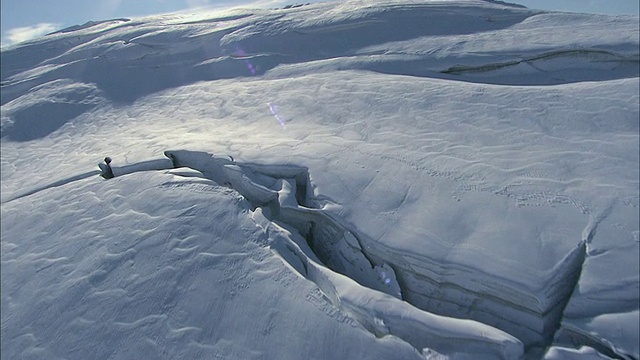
x=54 y=184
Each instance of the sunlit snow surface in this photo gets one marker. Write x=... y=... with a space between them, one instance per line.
x=362 y=179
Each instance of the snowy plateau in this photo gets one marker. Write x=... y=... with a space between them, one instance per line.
x=363 y=179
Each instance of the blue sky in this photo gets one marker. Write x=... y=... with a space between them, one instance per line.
x=25 y=19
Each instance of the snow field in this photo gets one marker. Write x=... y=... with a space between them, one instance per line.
x=498 y=183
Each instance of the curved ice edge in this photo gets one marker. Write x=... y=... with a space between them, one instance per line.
x=531 y=314
x=593 y=55
x=335 y=246
x=383 y=314
x=538 y=294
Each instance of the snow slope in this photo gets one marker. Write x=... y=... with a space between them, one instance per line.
x=363 y=179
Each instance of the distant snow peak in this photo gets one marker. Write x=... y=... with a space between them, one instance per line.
x=90 y=24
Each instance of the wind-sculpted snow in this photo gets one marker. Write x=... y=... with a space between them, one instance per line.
x=380 y=314
x=533 y=315
x=46 y=108
x=308 y=239
x=193 y=278
x=434 y=159
x=275 y=190
x=424 y=282
x=380 y=37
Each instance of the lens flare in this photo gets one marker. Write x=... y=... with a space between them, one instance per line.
x=383 y=274
x=274 y=111
x=241 y=54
